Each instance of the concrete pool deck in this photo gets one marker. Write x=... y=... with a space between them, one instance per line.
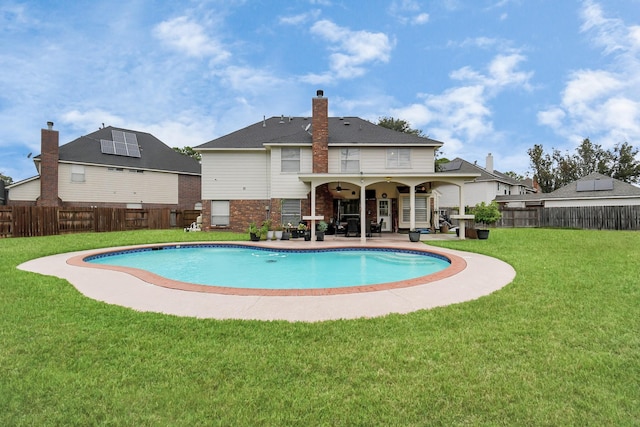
x=481 y=276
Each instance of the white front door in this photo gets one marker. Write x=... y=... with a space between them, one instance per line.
x=384 y=213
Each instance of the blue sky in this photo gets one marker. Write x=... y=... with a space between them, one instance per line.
x=480 y=75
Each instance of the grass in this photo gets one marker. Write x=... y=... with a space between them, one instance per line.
x=558 y=346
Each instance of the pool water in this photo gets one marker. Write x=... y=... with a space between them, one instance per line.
x=262 y=268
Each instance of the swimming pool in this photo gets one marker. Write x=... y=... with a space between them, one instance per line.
x=240 y=269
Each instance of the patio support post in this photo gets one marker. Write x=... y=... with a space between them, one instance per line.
x=412 y=207
x=363 y=215
x=462 y=226
x=313 y=210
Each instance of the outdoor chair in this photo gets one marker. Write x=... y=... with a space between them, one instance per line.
x=353 y=228
x=377 y=228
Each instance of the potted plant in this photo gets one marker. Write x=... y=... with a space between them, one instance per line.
x=414 y=235
x=302 y=231
x=286 y=232
x=486 y=214
x=268 y=229
x=255 y=233
x=320 y=230
x=278 y=231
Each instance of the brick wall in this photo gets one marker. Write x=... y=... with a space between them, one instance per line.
x=49 y=168
x=320 y=130
x=189 y=191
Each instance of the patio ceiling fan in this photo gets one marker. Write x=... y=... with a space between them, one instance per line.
x=339 y=188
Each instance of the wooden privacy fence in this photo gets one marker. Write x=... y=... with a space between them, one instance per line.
x=525 y=217
x=584 y=217
x=593 y=217
x=29 y=221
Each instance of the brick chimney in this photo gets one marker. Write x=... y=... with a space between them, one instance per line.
x=49 y=167
x=320 y=130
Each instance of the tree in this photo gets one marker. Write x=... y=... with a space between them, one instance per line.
x=398 y=125
x=515 y=176
x=556 y=170
x=188 y=151
x=625 y=166
x=7 y=179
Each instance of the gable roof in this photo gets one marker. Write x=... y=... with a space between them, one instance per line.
x=576 y=189
x=297 y=131
x=154 y=154
x=461 y=165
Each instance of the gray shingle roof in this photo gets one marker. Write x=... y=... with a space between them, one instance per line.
x=620 y=189
x=293 y=130
x=154 y=154
x=460 y=165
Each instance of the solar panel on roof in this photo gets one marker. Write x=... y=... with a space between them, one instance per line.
x=123 y=144
x=595 y=185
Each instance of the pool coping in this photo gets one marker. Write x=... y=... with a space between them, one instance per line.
x=481 y=276
x=457 y=264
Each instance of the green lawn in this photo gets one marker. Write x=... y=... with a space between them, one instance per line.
x=558 y=346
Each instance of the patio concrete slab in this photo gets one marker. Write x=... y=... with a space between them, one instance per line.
x=482 y=276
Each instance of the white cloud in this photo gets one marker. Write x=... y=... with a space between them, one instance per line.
x=421 y=18
x=586 y=86
x=408 y=12
x=601 y=103
x=300 y=18
x=353 y=50
x=463 y=115
x=190 y=38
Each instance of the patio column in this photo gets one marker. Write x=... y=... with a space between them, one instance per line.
x=363 y=215
x=313 y=211
x=462 y=222
x=412 y=207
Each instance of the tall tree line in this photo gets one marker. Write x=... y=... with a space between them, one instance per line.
x=554 y=170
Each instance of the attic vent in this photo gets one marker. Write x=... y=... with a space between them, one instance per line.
x=346 y=123
x=595 y=185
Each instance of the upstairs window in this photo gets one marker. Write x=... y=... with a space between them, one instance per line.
x=350 y=160
x=290 y=160
x=399 y=158
x=77 y=173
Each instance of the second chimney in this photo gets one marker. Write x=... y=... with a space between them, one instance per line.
x=489 y=165
x=49 y=157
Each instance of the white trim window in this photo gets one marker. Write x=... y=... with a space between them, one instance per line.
x=349 y=160
x=398 y=158
x=422 y=211
x=290 y=212
x=77 y=173
x=290 y=160
x=220 y=213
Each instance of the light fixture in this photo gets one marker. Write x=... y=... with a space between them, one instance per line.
x=388 y=179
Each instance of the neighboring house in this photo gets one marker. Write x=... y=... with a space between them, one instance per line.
x=111 y=167
x=485 y=188
x=594 y=189
x=290 y=168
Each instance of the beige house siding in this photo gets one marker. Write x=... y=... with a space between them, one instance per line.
x=374 y=160
x=286 y=185
x=117 y=185
x=27 y=191
x=235 y=176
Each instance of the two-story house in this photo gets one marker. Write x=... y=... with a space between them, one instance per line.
x=489 y=184
x=290 y=168
x=110 y=167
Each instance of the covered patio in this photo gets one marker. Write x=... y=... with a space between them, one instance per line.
x=413 y=183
